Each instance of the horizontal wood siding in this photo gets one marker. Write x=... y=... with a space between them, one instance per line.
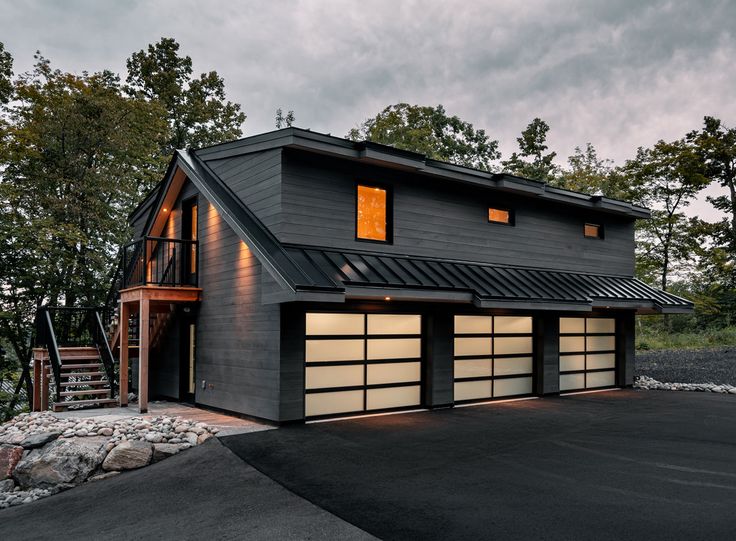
x=237 y=336
x=442 y=219
x=165 y=363
x=256 y=179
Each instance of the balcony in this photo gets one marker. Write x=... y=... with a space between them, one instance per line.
x=161 y=262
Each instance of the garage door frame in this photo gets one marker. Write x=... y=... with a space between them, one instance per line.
x=365 y=362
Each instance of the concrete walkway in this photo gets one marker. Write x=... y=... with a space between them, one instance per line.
x=228 y=425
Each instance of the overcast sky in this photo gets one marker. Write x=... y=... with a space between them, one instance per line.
x=616 y=73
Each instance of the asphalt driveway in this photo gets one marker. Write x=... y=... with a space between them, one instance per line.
x=614 y=465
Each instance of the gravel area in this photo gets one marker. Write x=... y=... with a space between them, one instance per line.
x=711 y=365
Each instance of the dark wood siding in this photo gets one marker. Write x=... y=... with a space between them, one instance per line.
x=441 y=219
x=237 y=336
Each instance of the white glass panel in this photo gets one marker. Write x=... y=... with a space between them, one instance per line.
x=394 y=324
x=319 y=377
x=513 y=386
x=572 y=343
x=572 y=325
x=514 y=365
x=335 y=324
x=513 y=324
x=473 y=368
x=601 y=343
x=601 y=360
x=599 y=324
x=601 y=379
x=572 y=381
x=472 y=346
x=394 y=348
x=507 y=345
x=337 y=402
x=572 y=362
x=394 y=397
x=393 y=373
x=334 y=350
x=473 y=324
x=472 y=390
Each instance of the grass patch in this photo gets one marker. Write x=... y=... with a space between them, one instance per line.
x=649 y=339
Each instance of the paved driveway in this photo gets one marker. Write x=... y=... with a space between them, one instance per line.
x=614 y=465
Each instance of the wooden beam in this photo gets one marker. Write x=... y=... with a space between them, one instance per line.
x=46 y=380
x=123 y=333
x=161 y=293
x=143 y=344
x=37 y=382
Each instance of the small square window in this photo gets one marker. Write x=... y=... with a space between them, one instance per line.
x=593 y=231
x=500 y=216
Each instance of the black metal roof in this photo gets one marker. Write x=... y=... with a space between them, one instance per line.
x=488 y=285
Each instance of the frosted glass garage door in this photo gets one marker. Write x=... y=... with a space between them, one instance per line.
x=587 y=353
x=361 y=362
x=492 y=357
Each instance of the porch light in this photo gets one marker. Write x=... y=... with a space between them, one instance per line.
x=166 y=210
x=387 y=298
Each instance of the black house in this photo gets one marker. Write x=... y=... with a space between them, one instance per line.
x=293 y=275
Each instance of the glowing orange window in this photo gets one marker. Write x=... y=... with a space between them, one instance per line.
x=594 y=231
x=372 y=213
x=499 y=216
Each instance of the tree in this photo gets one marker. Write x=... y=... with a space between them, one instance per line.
x=76 y=157
x=429 y=131
x=670 y=175
x=6 y=74
x=284 y=121
x=531 y=160
x=716 y=145
x=197 y=110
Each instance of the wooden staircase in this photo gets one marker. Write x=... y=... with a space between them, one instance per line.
x=83 y=379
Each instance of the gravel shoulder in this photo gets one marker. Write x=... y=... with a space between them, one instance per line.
x=716 y=365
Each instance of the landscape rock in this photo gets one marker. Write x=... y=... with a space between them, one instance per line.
x=7 y=485
x=35 y=441
x=164 y=450
x=61 y=461
x=10 y=455
x=128 y=455
x=102 y=476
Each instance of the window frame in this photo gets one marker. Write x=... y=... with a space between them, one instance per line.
x=389 y=210
x=512 y=215
x=599 y=236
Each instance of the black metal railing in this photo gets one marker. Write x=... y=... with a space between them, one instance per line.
x=160 y=261
x=62 y=326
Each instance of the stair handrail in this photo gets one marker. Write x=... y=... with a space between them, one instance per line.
x=53 y=349
x=103 y=346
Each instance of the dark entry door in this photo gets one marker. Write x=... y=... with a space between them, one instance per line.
x=188 y=374
x=189 y=232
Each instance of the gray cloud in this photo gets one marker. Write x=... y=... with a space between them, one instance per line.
x=619 y=74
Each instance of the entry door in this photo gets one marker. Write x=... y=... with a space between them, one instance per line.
x=493 y=357
x=587 y=353
x=356 y=362
x=189 y=232
x=188 y=382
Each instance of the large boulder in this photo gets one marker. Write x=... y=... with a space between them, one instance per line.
x=164 y=450
x=128 y=455
x=34 y=441
x=10 y=455
x=60 y=462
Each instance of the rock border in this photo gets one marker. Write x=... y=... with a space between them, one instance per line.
x=42 y=454
x=647 y=383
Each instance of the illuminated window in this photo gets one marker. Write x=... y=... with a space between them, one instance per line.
x=373 y=209
x=593 y=231
x=500 y=216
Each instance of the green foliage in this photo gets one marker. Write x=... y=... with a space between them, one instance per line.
x=6 y=75
x=284 y=121
x=197 y=110
x=429 y=131
x=655 y=337
x=531 y=160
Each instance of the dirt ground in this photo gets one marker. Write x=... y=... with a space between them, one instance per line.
x=711 y=365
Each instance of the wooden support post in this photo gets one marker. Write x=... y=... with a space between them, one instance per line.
x=37 y=382
x=123 y=323
x=45 y=383
x=143 y=355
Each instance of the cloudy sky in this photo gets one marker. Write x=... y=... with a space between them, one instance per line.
x=616 y=73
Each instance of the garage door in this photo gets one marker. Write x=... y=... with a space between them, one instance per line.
x=362 y=362
x=587 y=353
x=492 y=357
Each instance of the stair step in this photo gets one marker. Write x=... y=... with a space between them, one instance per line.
x=80 y=374
x=96 y=365
x=99 y=402
x=82 y=350
x=85 y=392
x=95 y=357
x=90 y=383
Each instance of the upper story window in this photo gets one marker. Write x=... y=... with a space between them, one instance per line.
x=500 y=216
x=593 y=231
x=373 y=213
